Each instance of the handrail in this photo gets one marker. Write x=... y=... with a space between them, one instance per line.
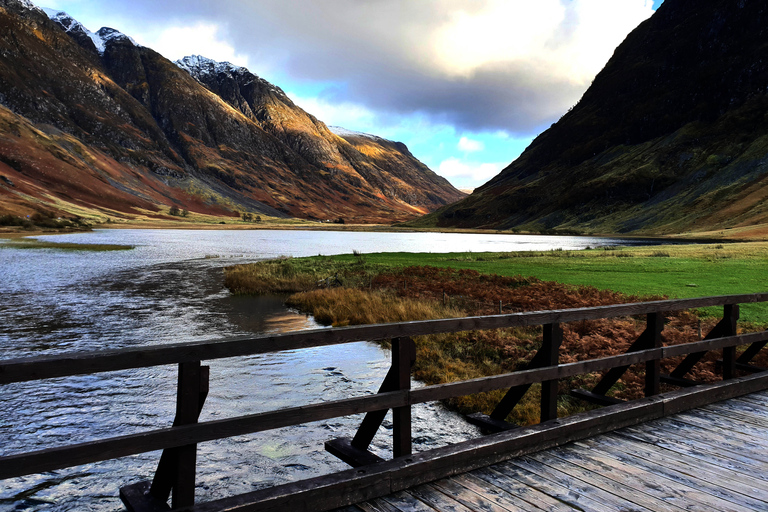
x=80 y=363
x=394 y=394
x=121 y=446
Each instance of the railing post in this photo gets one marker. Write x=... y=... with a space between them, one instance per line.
x=654 y=326
x=403 y=353
x=187 y=411
x=730 y=319
x=553 y=338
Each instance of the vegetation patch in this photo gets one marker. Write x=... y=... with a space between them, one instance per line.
x=33 y=243
x=362 y=289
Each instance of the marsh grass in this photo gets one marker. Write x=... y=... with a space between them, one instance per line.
x=33 y=243
x=390 y=287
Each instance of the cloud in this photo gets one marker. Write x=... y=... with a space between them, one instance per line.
x=468 y=172
x=469 y=145
x=200 y=38
x=479 y=65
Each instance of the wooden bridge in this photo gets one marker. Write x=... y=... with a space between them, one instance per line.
x=582 y=475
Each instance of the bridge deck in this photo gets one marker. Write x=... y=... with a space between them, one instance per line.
x=712 y=458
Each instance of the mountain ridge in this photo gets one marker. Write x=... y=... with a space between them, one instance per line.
x=163 y=137
x=670 y=137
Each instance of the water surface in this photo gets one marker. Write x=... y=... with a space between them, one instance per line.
x=169 y=289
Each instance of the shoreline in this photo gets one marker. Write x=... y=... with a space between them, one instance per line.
x=692 y=238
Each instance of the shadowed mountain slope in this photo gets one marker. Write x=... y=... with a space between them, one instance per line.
x=671 y=136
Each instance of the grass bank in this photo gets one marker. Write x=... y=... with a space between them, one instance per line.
x=374 y=288
x=33 y=243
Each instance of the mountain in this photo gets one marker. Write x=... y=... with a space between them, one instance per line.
x=671 y=136
x=93 y=122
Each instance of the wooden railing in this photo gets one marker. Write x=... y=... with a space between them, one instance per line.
x=175 y=475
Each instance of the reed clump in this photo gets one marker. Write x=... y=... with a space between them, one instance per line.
x=268 y=277
x=352 y=306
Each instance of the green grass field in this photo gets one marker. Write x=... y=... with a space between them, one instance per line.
x=672 y=271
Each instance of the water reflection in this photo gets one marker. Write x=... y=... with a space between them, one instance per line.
x=169 y=290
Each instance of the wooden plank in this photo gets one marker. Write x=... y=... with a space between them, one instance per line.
x=657 y=484
x=734 y=461
x=522 y=490
x=573 y=497
x=477 y=498
x=597 y=476
x=719 y=498
x=494 y=494
x=715 y=420
x=717 y=439
x=573 y=484
x=406 y=502
x=377 y=505
x=78 y=363
x=693 y=467
x=436 y=499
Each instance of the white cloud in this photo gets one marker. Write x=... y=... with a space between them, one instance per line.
x=477 y=65
x=344 y=114
x=469 y=145
x=201 y=38
x=468 y=172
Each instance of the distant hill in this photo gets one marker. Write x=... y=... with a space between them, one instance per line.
x=672 y=136
x=93 y=122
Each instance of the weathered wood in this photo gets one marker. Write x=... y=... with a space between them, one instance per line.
x=403 y=356
x=519 y=490
x=488 y=424
x=131 y=444
x=477 y=498
x=660 y=483
x=595 y=398
x=137 y=498
x=726 y=327
x=717 y=496
x=79 y=363
x=675 y=462
x=552 y=339
x=555 y=475
x=654 y=327
x=433 y=497
x=344 y=449
x=83 y=453
x=733 y=461
x=570 y=461
x=372 y=420
x=751 y=352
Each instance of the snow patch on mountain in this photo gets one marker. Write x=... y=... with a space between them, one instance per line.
x=198 y=66
x=343 y=132
x=100 y=39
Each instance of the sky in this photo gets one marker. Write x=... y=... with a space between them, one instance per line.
x=465 y=84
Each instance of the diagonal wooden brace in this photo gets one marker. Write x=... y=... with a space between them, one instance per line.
x=176 y=469
x=725 y=327
x=355 y=451
x=547 y=355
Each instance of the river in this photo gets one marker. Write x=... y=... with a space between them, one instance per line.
x=169 y=289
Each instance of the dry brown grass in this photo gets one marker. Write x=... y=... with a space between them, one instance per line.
x=267 y=277
x=374 y=295
x=351 y=306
